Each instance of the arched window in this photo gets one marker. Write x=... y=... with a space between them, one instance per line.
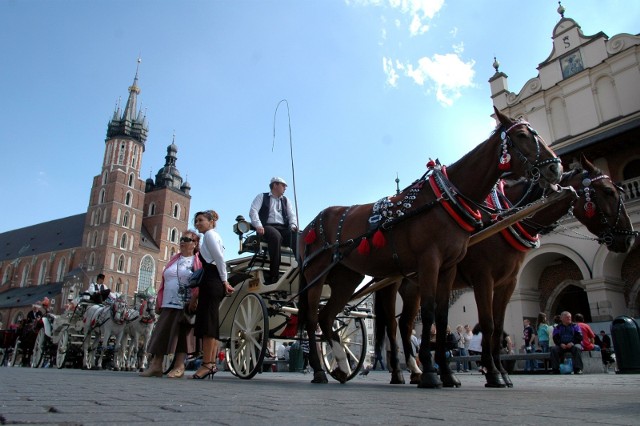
x=125 y=219
x=146 y=274
x=6 y=277
x=94 y=242
x=97 y=217
x=42 y=275
x=121 y=263
x=119 y=286
x=123 y=241
x=121 y=154
x=131 y=177
x=92 y=259
x=127 y=199
x=105 y=175
x=152 y=209
x=25 y=276
x=101 y=196
x=134 y=157
x=62 y=269
x=173 y=235
x=176 y=211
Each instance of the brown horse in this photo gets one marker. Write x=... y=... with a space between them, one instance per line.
x=411 y=233
x=599 y=207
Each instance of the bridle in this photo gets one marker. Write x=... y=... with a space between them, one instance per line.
x=591 y=206
x=533 y=169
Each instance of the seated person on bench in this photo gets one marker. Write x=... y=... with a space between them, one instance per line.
x=274 y=219
x=98 y=291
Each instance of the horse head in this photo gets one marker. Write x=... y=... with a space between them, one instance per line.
x=148 y=309
x=118 y=310
x=600 y=208
x=525 y=152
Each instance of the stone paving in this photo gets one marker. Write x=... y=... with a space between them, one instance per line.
x=76 y=397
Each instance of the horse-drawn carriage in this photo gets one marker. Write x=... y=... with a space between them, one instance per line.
x=23 y=339
x=258 y=311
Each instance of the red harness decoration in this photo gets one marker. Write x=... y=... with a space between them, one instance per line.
x=515 y=235
x=457 y=203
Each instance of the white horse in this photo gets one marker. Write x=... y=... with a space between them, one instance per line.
x=137 y=332
x=102 y=322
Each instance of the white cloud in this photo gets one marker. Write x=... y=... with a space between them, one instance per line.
x=447 y=73
x=390 y=71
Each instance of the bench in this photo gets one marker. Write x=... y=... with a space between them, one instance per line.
x=591 y=360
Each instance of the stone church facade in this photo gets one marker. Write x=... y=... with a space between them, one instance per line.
x=129 y=231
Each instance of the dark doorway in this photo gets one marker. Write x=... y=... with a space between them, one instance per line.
x=572 y=299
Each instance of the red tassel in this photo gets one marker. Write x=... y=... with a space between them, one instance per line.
x=431 y=164
x=378 y=239
x=589 y=209
x=504 y=166
x=310 y=237
x=364 y=248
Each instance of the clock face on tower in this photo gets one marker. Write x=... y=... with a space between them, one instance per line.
x=571 y=64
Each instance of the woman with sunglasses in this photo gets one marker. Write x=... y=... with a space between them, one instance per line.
x=213 y=288
x=172 y=334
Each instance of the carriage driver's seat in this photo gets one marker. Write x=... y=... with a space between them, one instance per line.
x=288 y=256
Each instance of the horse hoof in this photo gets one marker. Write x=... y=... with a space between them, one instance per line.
x=397 y=378
x=415 y=378
x=507 y=380
x=430 y=381
x=340 y=375
x=319 y=377
x=450 y=381
x=494 y=380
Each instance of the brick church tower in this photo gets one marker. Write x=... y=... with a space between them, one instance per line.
x=132 y=227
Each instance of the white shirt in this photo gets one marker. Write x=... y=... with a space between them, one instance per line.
x=176 y=275
x=95 y=287
x=212 y=250
x=275 y=211
x=476 y=343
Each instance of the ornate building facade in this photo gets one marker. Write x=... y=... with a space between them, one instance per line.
x=585 y=100
x=130 y=230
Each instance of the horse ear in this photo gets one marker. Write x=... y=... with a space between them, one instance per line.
x=586 y=164
x=506 y=121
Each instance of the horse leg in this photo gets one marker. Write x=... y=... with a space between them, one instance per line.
x=429 y=377
x=483 y=292
x=385 y=303
x=443 y=291
x=346 y=281
x=410 y=304
x=501 y=297
x=311 y=305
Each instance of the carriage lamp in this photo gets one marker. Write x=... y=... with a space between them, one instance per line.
x=241 y=226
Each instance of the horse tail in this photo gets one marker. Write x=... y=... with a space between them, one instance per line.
x=380 y=322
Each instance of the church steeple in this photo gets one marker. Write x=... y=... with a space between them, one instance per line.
x=131 y=123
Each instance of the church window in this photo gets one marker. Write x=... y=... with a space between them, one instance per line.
x=7 y=275
x=121 y=154
x=62 y=269
x=152 y=209
x=25 y=276
x=119 y=286
x=101 y=196
x=125 y=219
x=134 y=157
x=92 y=260
x=94 y=242
x=173 y=235
x=131 y=180
x=121 y=263
x=127 y=199
x=147 y=272
x=97 y=221
x=176 y=211
x=105 y=175
x=123 y=241
x=42 y=275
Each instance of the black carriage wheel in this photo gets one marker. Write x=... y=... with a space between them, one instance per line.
x=249 y=335
x=63 y=348
x=16 y=355
x=353 y=337
x=37 y=355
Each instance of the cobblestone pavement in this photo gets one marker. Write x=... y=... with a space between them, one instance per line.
x=77 y=397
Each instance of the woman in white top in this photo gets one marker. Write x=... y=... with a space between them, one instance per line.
x=213 y=288
x=172 y=334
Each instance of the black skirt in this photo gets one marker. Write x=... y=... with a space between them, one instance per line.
x=210 y=294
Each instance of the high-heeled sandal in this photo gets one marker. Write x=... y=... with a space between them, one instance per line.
x=210 y=371
x=176 y=373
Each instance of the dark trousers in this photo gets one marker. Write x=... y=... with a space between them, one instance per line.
x=276 y=236
x=557 y=352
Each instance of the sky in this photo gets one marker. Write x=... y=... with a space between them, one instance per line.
x=338 y=97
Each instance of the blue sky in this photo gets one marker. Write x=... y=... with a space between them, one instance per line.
x=374 y=88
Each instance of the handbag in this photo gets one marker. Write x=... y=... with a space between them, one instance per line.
x=196 y=278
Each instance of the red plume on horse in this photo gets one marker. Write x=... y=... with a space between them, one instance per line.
x=424 y=229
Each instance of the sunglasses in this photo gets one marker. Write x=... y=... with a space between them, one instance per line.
x=186 y=240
